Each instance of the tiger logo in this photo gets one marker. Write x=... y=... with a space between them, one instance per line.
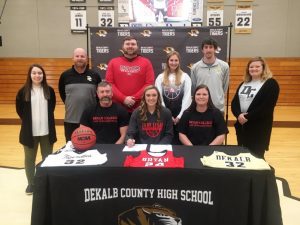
x=146 y=33
x=218 y=50
x=102 y=66
x=194 y=33
x=190 y=65
x=169 y=49
x=149 y=215
x=102 y=33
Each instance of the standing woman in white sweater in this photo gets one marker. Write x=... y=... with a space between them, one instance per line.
x=35 y=104
x=174 y=86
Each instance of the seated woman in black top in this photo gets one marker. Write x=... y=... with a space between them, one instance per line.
x=202 y=123
x=150 y=123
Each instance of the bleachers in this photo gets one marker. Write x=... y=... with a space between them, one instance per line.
x=286 y=71
x=13 y=72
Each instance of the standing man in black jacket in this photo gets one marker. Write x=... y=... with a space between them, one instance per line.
x=77 y=89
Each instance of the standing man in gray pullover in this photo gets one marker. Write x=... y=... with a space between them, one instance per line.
x=212 y=72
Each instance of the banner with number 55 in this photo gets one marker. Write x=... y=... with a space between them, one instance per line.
x=215 y=16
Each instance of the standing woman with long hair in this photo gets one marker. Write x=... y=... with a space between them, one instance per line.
x=202 y=123
x=175 y=88
x=35 y=104
x=253 y=106
x=150 y=123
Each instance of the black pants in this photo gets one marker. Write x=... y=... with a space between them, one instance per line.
x=69 y=128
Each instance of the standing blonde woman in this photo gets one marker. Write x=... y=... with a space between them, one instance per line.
x=253 y=106
x=35 y=104
x=175 y=88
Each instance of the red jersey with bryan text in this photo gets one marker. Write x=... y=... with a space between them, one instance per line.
x=154 y=159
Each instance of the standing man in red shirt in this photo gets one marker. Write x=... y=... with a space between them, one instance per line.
x=129 y=75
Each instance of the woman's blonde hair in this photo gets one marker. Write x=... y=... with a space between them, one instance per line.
x=167 y=70
x=143 y=105
x=266 y=73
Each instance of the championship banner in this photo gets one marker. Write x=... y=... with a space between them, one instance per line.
x=243 y=19
x=106 y=16
x=215 y=16
x=155 y=43
x=123 y=10
x=197 y=12
x=78 y=19
x=171 y=13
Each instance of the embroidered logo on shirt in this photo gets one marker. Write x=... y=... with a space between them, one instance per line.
x=152 y=129
x=89 y=78
x=193 y=123
x=105 y=119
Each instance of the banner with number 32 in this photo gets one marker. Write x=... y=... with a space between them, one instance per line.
x=106 y=16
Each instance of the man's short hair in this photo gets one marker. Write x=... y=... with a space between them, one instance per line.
x=209 y=41
x=127 y=38
x=104 y=84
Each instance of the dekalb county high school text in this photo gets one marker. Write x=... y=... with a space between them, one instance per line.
x=99 y=194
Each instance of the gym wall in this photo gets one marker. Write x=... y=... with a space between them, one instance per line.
x=41 y=28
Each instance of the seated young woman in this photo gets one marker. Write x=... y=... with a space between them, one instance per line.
x=150 y=123
x=202 y=123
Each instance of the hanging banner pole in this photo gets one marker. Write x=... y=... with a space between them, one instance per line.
x=229 y=64
x=87 y=43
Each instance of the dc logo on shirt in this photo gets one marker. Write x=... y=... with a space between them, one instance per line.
x=247 y=91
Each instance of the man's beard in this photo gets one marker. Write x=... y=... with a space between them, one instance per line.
x=80 y=64
x=132 y=52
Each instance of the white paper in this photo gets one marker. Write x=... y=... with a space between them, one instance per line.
x=135 y=148
x=160 y=148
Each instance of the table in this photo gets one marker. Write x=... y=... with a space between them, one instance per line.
x=113 y=195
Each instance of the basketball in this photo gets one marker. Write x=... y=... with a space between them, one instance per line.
x=83 y=138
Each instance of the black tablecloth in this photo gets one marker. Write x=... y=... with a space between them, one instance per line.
x=111 y=194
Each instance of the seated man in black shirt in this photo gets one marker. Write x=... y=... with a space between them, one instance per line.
x=109 y=120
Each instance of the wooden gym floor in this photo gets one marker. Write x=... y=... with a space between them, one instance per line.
x=284 y=153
